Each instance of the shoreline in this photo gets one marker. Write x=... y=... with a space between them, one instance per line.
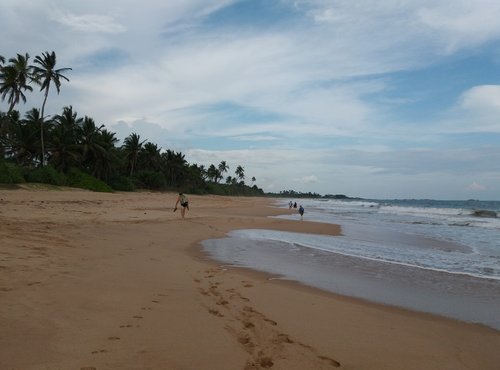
x=458 y=297
x=198 y=253
x=112 y=281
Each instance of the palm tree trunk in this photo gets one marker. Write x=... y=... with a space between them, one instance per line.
x=41 y=126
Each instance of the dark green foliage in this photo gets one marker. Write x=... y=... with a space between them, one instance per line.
x=10 y=173
x=66 y=149
x=295 y=194
x=150 y=180
x=121 y=183
x=79 y=179
x=46 y=175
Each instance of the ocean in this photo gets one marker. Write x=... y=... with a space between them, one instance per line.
x=440 y=257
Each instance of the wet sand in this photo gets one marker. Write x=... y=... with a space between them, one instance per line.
x=116 y=281
x=458 y=296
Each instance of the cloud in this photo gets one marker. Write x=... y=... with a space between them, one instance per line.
x=308 y=90
x=311 y=179
x=476 y=187
x=462 y=24
x=90 y=23
x=476 y=111
x=481 y=98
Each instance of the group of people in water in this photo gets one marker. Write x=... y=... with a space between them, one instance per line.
x=294 y=205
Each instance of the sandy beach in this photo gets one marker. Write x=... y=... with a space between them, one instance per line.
x=117 y=281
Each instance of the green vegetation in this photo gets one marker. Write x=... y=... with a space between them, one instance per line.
x=294 y=194
x=68 y=149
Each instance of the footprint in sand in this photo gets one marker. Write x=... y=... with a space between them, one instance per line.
x=331 y=361
x=215 y=312
x=126 y=326
x=222 y=302
x=248 y=324
x=88 y=368
x=244 y=339
x=283 y=338
x=272 y=322
x=99 y=351
x=114 y=338
x=266 y=362
x=138 y=317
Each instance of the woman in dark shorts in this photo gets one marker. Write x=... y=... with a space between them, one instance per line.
x=183 y=200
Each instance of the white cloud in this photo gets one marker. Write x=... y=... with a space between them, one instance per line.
x=310 y=80
x=462 y=23
x=476 y=111
x=476 y=187
x=90 y=23
x=311 y=179
x=481 y=98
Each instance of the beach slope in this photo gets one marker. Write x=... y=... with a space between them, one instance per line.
x=117 y=281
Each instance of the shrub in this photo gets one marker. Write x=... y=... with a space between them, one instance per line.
x=46 y=175
x=10 y=173
x=150 y=179
x=121 y=183
x=79 y=179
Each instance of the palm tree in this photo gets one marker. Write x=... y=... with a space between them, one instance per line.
x=110 y=160
x=202 y=171
x=132 y=146
x=28 y=146
x=14 y=78
x=176 y=167
x=223 y=168
x=45 y=75
x=240 y=172
x=213 y=173
x=150 y=157
x=64 y=147
x=92 y=153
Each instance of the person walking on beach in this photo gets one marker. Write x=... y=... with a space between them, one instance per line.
x=183 y=200
x=301 y=211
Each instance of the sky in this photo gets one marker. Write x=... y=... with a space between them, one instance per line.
x=375 y=99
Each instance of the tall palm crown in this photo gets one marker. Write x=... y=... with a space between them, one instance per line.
x=223 y=168
x=132 y=146
x=45 y=75
x=240 y=172
x=14 y=79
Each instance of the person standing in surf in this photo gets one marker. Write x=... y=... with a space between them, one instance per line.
x=301 y=211
x=183 y=200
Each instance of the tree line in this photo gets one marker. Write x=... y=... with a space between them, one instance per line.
x=68 y=149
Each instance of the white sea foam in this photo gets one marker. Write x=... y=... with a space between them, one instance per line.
x=436 y=257
x=407 y=232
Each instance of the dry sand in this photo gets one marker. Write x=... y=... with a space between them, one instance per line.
x=115 y=281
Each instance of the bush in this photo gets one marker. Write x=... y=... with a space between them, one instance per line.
x=10 y=173
x=46 y=175
x=218 y=189
x=150 y=180
x=121 y=183
x=79 y=179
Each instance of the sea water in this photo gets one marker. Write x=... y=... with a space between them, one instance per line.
x=441 y=257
